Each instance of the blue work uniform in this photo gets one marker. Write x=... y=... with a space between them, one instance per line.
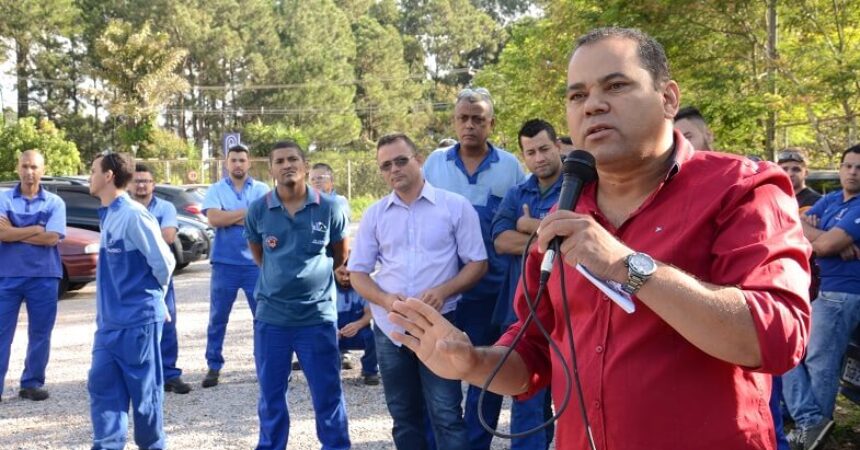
x=131 y=281
x=526 y=414
x=30 y=273
x=165 y=213
x=350 y=307
x=296 y=313
x=484 y=189
x=233 y=268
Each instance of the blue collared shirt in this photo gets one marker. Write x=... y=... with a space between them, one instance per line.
x=230 y=246
x=838 y=275
x=20 y=259
x=296 y=284
x=417 y=246
x=350 y=306
x=134 y=267
x=511 y=209
x=484 y=189
x=164 y=212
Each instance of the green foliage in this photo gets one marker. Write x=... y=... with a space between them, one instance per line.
x=260 y=136
x=61 y=155
x=358 y=205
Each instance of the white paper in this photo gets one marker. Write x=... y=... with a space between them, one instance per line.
x=612 y=290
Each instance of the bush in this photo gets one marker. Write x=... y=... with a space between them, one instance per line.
x=61 y=155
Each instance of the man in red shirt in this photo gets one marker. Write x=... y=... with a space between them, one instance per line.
x=710 y=246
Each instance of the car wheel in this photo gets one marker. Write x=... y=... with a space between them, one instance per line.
x=181 y=266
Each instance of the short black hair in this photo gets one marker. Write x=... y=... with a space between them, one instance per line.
x=288 y=144
x=324 y=166
x=854 y=149
x=121 y=164
x=651 y=53
x=566 y=140
x=532 y=127
x=140 y=167
x=394 y=137
x=689 y=112
x=239 y=148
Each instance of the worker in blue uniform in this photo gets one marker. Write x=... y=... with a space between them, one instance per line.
x=131 y=282
x=165 y=213
x=233 y=268
x=32 y=222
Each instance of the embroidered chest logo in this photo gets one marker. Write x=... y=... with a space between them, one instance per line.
x=271 y=242
x=658 y=229
x=319 y=227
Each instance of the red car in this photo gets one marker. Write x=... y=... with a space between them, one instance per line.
x=79 y=252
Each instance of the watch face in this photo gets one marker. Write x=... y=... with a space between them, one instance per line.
x=642 y=264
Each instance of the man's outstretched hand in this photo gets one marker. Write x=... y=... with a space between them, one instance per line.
x=442 y=347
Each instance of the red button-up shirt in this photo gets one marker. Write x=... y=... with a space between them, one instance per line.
x=725 y=220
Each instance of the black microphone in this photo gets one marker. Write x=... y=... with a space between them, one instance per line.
x=577 y=170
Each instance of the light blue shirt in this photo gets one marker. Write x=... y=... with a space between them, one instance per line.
x=230 y=246
x=20 y=259
x=134 y=267
x=485 y=189
x=417 y=246
x=164 y=212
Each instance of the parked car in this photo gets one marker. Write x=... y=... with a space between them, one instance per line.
x=188 y=200
x=79 y=254
x=193 y=237
x=823 y=181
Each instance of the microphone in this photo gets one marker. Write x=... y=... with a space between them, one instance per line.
x=578 y=169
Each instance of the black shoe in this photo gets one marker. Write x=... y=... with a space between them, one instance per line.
x=371 y=379
x=814 y=436
x=211 y=378
x=36 y=394
x=177 y=385
x=296 y=366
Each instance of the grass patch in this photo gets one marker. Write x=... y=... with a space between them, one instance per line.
x=846 y=434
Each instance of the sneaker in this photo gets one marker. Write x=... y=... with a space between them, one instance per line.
x=296 y=365
x=211 y=378
x=815 y=435
x=371 y=379
x=177 y=385
x=795 y=439
x=35 y=393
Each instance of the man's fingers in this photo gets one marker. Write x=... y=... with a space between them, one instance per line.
x=560 y=223
x=409 y=341
x=414 y=322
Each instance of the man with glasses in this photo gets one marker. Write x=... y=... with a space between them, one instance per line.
x=32 y=222
x=792 y=161
x=322 y=179
x=419 y=236
x=232 y=265
x=165 y=213
x=832 y=225
x=133 y=273
x=483 y=173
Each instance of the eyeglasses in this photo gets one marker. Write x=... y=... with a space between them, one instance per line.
x=400 y=161
x=475 y=92
x=142 y=181
x=321 y=178
x=790 y=156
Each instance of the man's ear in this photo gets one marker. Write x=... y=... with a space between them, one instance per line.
x=671 y=99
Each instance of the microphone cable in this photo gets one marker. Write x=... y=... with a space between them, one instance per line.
x=568 y=378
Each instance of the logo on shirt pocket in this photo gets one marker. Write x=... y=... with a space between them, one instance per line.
x=271 y=242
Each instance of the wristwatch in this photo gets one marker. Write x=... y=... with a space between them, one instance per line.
x=640 y=267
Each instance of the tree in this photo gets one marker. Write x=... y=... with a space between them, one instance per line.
x=33 y=26
x=139 y=68
x=61 y=155
x=388 y=97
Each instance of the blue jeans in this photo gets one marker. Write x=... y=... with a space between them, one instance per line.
x=126 y=368
x=411 y=391
x=810 y=388
x=473 y=317
x=40 y=297
x=528 y=414
x=225 y=283
x=316 y=348
x=776 y=414
x=363 y=340
x=169 y=340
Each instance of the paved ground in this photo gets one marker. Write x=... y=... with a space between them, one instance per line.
x=224 y=417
